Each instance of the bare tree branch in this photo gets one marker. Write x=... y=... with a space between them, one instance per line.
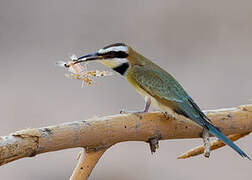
x=213 y=146
x=86 y=163
x=100 y=133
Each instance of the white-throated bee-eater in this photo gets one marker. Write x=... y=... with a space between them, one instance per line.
x=156 y=86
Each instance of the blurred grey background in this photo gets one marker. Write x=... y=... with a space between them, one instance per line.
x=206 y=45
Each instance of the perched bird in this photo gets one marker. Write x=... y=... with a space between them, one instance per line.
x=156 y=85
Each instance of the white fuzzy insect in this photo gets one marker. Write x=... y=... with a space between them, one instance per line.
x=81 y=72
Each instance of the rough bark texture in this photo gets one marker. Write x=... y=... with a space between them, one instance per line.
x=213 y=145
x=86 y=163
x=102 y=132
x=98 y=134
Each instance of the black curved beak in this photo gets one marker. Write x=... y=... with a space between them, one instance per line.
x=89 y=57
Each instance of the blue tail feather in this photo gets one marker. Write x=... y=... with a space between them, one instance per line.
x=214 y=131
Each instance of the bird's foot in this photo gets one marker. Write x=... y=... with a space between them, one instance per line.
x=168 y=116
x=206 y=141
x=137 y=113
x=132 y=112
x=146 y=108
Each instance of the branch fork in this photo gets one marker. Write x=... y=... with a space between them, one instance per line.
x=109 y=130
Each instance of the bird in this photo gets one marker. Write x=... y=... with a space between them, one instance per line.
x=158 y=88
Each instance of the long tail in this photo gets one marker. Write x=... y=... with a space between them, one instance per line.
x=214 y=131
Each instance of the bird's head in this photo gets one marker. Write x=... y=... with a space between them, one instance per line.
x=118 y=57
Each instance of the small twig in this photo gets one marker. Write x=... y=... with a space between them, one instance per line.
x=206 y=142
x=86 y=163
x=213 y=146
x=113 y=129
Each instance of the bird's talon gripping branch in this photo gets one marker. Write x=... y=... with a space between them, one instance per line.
x=123 y=111
x=131 y=112
x=206 y=141
x=168 y=116
x=146 y=108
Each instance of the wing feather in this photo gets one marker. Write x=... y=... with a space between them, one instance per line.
x=161 y=85
x=167 y=90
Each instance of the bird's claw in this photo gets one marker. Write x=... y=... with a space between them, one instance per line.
x=168 y=116
x=131 y=112
x=123 y=111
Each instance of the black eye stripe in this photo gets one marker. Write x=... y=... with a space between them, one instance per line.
x=115 y=54
x=121 y=54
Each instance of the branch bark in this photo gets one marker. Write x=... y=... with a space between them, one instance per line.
x=86 y=163
x=214 y=145
x=100 y=133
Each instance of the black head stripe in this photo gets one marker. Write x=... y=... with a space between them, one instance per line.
x=115 y=54
x=122 y=68
x=121 y=54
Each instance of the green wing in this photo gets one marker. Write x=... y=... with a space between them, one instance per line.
x=167 y=90
x=161 y=85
